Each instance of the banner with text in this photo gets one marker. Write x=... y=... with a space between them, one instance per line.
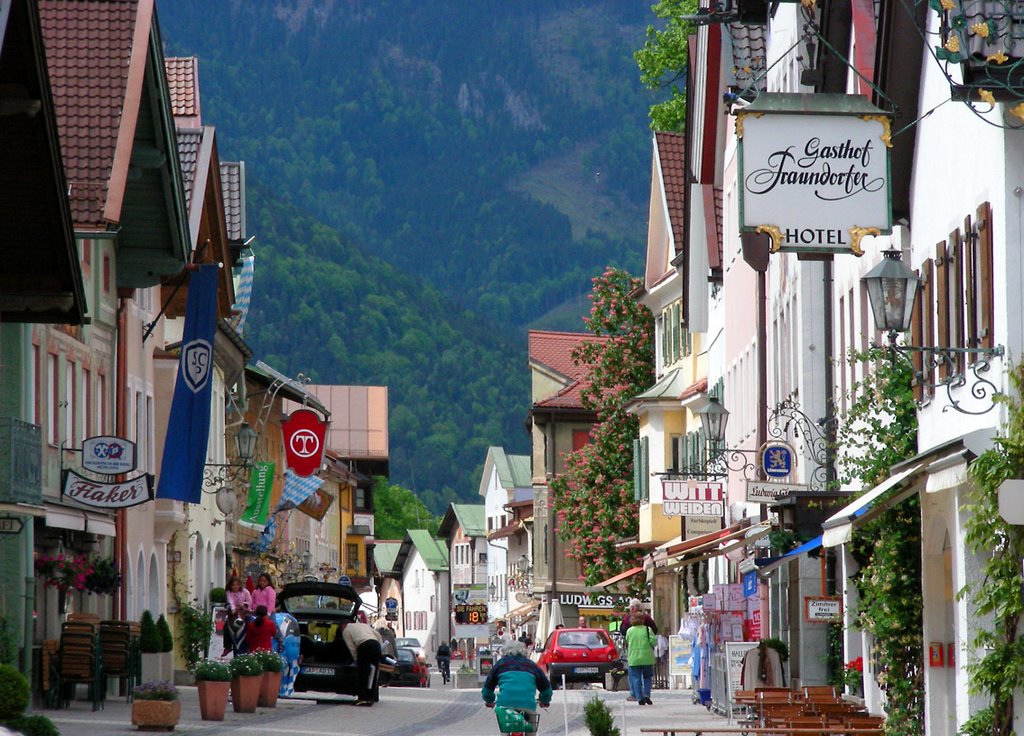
x=257 y=506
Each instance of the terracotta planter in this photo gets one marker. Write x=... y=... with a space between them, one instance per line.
x=213 y=699
x=269 y=688
x=156 y=715
x=245 y=693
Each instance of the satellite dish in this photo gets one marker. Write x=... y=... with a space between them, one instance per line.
x=227 y=502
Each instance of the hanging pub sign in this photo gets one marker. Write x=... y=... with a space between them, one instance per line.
x=126 y=494
x=108 y=455
x=304 y=438
x=814 y=171
x=693 y=498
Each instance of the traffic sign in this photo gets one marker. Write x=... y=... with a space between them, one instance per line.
x=391 y=604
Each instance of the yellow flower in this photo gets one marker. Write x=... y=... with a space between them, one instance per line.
x=987 y=96
x=1017 y=111
x=946 y=4
x=998 y=57
x=980 y=29
x=953 y=44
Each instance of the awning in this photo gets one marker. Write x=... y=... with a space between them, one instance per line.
x=79 y=520
x=523 y=612
x=791 y=555
x=678 y=545
x=619 y=578
x=838 y=528
x=739 y=539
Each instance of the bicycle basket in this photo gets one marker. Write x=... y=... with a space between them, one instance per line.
x=516 y=721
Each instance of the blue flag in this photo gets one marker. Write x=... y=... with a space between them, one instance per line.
x=188 y=427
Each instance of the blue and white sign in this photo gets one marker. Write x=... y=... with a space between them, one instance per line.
x=749 y=584
x=345 y=580
x=777 y=460
x=391 y=604
x=108 y=455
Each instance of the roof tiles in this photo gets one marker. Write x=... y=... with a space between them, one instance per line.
x=554 y=350
x=88 y=49
x=183 y=80
x=189 y=140
x=672 y=157
x=232 y=179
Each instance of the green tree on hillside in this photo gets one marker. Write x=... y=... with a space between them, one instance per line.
x=396 y=509
x=593 y=499
x=663 y=59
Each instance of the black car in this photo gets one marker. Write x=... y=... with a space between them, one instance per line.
x=408 y=669
x=322 y=609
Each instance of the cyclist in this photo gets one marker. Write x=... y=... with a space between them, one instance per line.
x=519 y=682
x=444 y=661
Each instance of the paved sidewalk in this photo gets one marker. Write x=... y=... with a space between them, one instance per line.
x=402 y=712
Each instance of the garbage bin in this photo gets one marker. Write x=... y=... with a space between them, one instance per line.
x=484 y=663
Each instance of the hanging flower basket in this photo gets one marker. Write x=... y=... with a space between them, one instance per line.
x=105 y=578
x=64 y=572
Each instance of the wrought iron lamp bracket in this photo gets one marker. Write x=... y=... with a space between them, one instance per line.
x=718 y=463
x=219 y=476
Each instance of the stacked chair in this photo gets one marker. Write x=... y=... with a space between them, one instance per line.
x=120 y=653
x=80 y=660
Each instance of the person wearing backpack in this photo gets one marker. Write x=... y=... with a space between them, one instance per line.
x=640 y=642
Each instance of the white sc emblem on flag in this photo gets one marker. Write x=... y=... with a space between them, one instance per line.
x=197 y=357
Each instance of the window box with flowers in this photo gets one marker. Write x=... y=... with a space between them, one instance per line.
x=853 y=676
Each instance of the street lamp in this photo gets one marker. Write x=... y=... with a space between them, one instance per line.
x=713 y=419
x=219 y=478
x=892 y=290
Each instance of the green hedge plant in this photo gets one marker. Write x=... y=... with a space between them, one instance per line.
x=150 y=640
x=14 y=693
x=33 y=726
x=166 y=638
x=598 y=718
x=218 y=595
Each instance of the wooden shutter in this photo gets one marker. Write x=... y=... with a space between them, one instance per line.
x=955 y=299
x=942 y=305
x=917 y=338
x=636 y=470
x=970 y=270
x=986 y=315
x=928 y=308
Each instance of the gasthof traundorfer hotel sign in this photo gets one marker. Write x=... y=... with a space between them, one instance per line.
x=814 y=171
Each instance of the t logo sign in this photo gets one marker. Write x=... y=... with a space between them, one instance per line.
x=304 y=438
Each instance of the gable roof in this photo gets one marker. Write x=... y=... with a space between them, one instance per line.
x=469 y=517
x=385 y=552
x=41 y=278
x=433 y=551
x=113 y=112
x=183 y=82
x=671 y=157
x=553 y=350
x=513 y=470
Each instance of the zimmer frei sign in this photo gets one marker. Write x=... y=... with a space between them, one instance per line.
x=814 y=171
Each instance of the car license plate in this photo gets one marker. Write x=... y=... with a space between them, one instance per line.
x=318 y=671
x=585 y=670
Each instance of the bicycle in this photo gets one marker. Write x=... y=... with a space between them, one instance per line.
x=516 y=721
x=445 y=666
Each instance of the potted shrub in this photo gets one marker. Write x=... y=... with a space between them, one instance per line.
x=218 y=596
x=155 y=706
x=273 y=668
x=213 y=680
x=157 y=663
x=466 y=677
x=246 y=681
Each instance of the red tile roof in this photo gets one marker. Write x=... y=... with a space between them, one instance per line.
x=554 y=350
x=183 y=80
x=672 y=157
x=92 y=52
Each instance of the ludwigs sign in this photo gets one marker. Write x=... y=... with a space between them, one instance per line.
x=814 y=171
x=693 y=498
x=304 y=437
x=107 y=495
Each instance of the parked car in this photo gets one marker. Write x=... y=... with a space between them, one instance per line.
x=412 y=643
x=322 y=609
x=409 y=669
x=581 y=655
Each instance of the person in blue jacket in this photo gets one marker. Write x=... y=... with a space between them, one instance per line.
x=518 y=681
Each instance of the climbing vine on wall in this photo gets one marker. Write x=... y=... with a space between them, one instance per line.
x=996 y=594
x=879 y=430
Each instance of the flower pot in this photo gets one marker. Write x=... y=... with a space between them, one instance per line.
x=213 y=699
x=269 y=688
x=155 y=715
x=245 y=693
x=466 y=680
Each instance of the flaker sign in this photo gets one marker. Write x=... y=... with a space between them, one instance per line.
x=814 y=171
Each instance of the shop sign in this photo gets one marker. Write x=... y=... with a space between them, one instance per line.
x=123 y=495
x=765 y=492
x=108 y=455
x=777 y=460
x=749 y=584
x=10 y=525
x=693 y=498
x=587 y=599
x=814 y=171
x=698 y=526
x=822 y=610
x=304 y=438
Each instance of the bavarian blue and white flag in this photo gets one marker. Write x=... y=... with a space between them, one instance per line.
x=188 y=427
x=297 y=489
x=243 y=294
x=266 y=537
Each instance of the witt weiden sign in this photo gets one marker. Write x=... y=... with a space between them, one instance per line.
x=814 y=171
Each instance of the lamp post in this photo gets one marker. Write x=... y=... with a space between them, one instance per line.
x=892 y=290
x=219 y=478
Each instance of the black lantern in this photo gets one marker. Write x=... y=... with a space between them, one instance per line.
x=892 y=289
x=245 y=443
x=713 y=418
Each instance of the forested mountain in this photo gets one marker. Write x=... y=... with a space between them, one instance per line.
x=431 y=178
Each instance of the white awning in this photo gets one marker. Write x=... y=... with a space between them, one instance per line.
x=80 y=520
x=838 y=528
x=947 y=473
